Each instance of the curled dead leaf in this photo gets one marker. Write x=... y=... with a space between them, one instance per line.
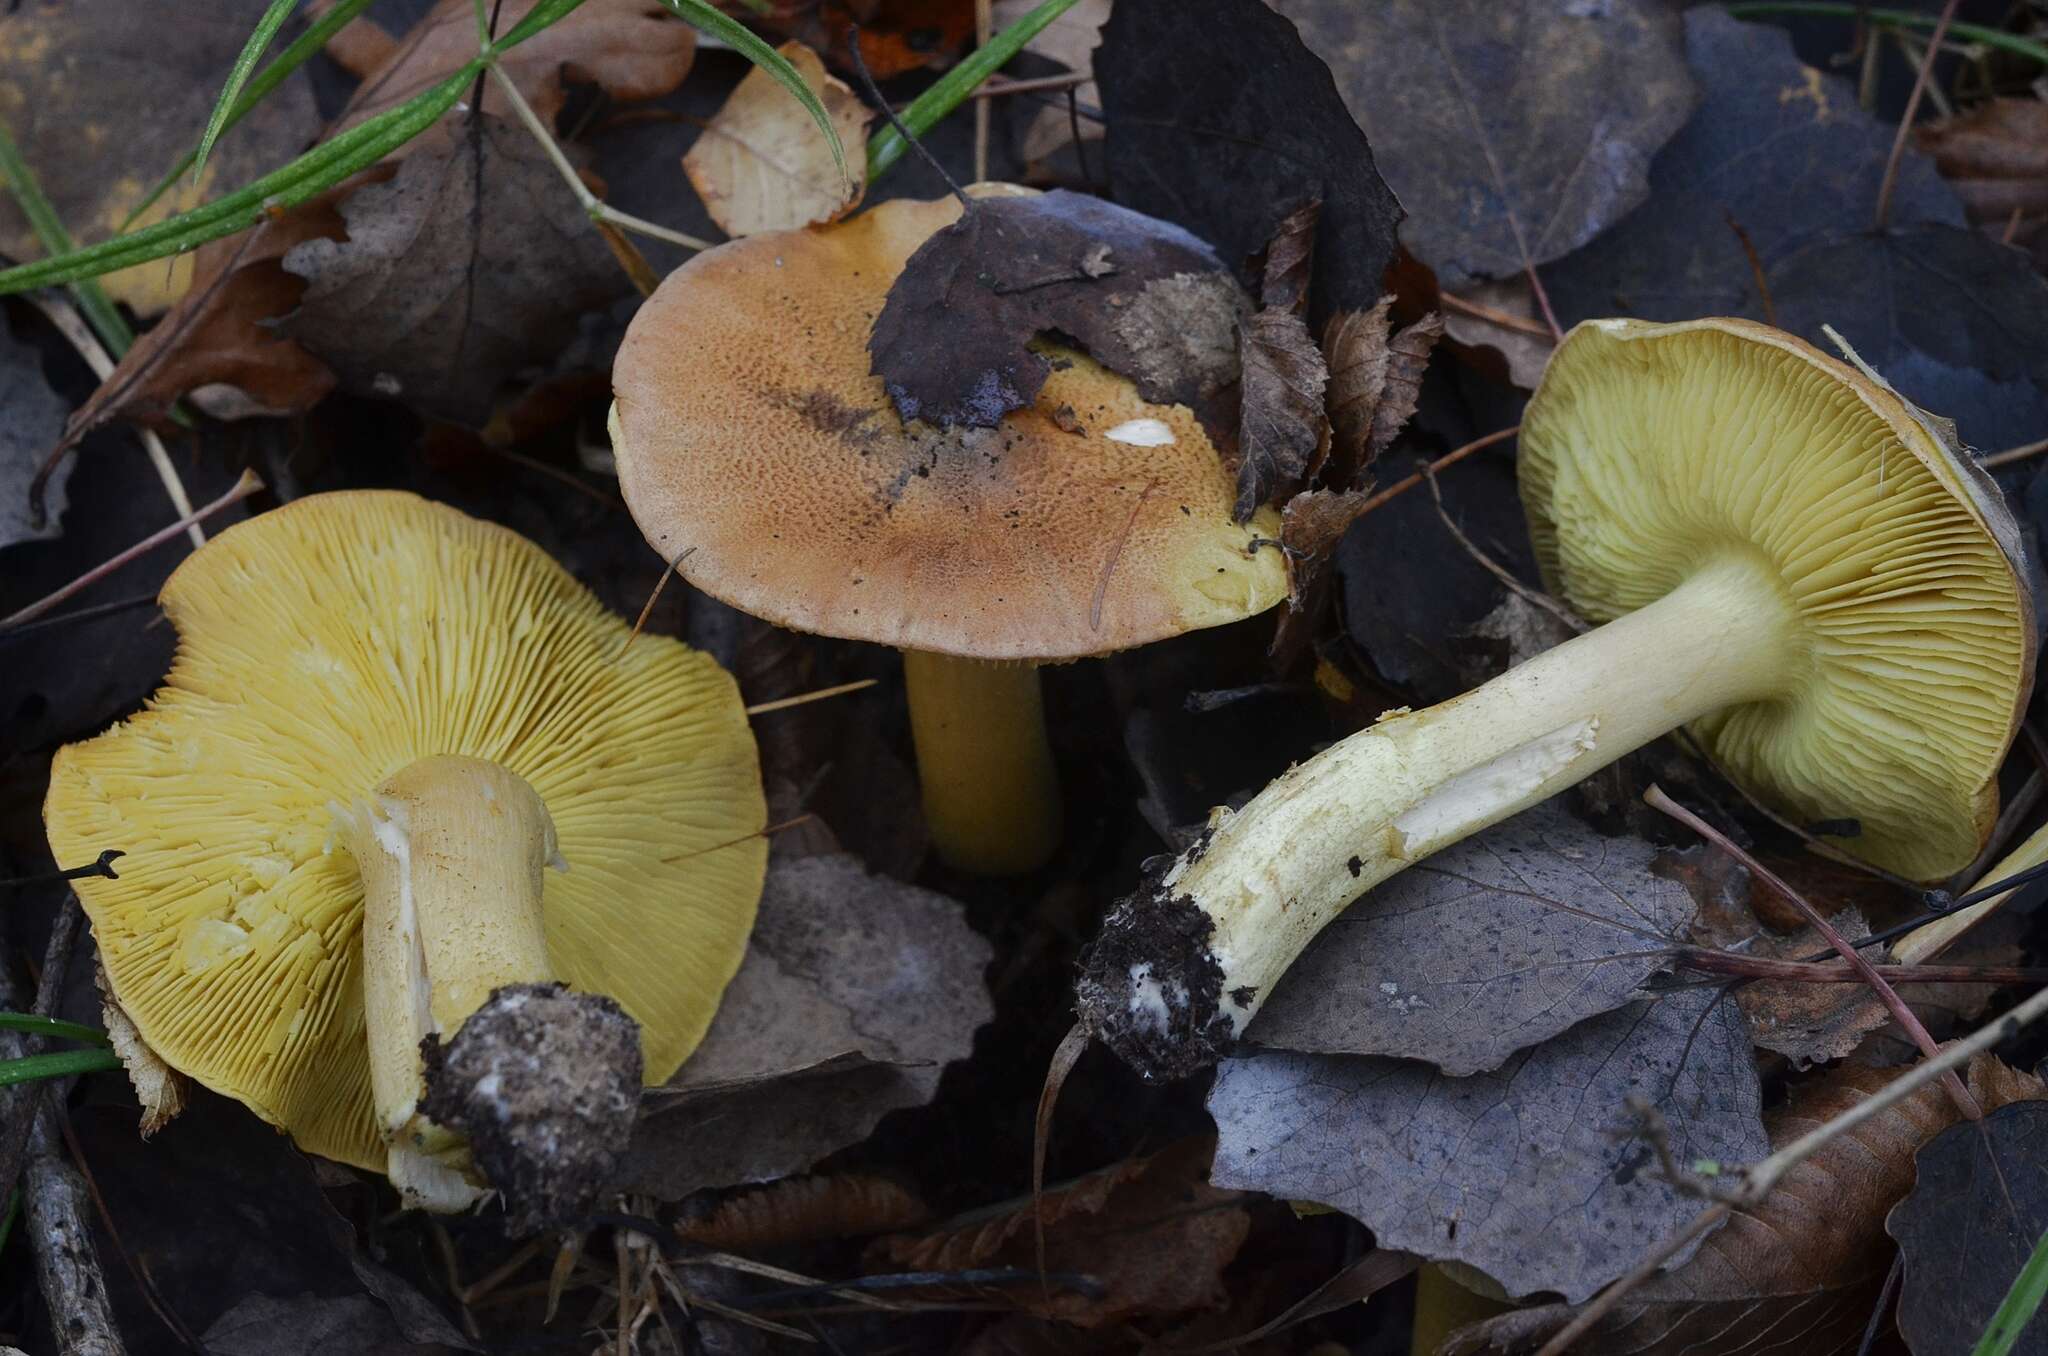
x=763 y=165
x=1151 y=1231
x=1797 y=1274
x=1282 y=421
x=805 y=1210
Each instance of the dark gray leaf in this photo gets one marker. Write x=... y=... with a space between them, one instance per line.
x=952 y=342
x=1957 y=322
x=101 y=105
x=855 y=993
x=1776 y=148
x=1514 y=131
x=1487 y=948
x=309 y=1326
x=1229 y=126
x=1977 y=1210
x=1534 y=1174
x=470 y=264
x=33 y=422
x=1281 y=422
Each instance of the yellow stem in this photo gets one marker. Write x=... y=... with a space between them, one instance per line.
x=991 y=795
x=451 y=852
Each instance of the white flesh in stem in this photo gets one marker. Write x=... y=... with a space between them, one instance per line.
x=1274 y=873
x=451 y=852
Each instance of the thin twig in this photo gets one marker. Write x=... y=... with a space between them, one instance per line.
x=1493 y=567
x=65 y=317
x=2013 y=454
x=1761 y=1178
x=1507 y=320
x=243 y=488
x=593 y=206
x=804 y=698
x=984 y=29
x=860 y=68
x=996 y=89
x=1903 y=1015
x=1446 y=461
x=1708 y=960
x=1891 y=164
x=23 y=1101
x=1756 y=267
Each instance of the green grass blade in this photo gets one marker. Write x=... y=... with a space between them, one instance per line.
x=544 y=15
x=947 y=93
x=2021 y=1303
x=93 y=301
x=266 y=32
x=699 y=14
x=1990 y=37
x=269 y=78
x=312 y=173
x=61 y=1064
x=50 y=1026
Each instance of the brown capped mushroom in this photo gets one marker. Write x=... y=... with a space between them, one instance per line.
x=759 y=452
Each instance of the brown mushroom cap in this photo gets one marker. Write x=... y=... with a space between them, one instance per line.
x=754 y=443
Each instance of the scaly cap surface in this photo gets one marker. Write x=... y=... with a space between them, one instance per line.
x=757 y=449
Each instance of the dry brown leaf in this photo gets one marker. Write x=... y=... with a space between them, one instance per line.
x=806 y=1210
x=1282 y=421
x=1355 y=350
x=472 y=262
x=1523 y=354
x=1796 y=1275
x=101 y=100
x=895 y=35
x=1070 y=40
x=1995 y=157
x=1407 y=358
x=1152 y=1231
x=220 y=333
x=763 y=165
x=631 y=49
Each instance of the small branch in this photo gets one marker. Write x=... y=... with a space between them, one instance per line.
x=1902 y=1014
x=243 y=488
x=860 y=68
x=1756 y=268
x=65 y=317
x=1507 y=320
x=996 y=89
x=1708 y=960
x=19 y=1111
x=1447 y=460
x=1891 y=164
x=1493 y=567
x=2013 y=454
x=984 y=29
x=805 y=698
x=593 y=206
x=1761 y=1178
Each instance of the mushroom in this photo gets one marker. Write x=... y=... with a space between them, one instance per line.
x=759 y=452
x=1789 y=562
x=384 y=721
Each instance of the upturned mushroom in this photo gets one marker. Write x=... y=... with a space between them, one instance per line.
x=1790 y=563
x=403 y=781
x=759 y=452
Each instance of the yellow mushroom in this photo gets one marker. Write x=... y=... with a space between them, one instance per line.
x=1790 y=563
x=384 y=721
x=758 y=450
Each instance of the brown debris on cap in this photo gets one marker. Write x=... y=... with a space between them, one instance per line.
x=757 y=449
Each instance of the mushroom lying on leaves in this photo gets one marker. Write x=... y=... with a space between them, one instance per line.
x=1790 y=562
x=759 y=452
x=404 y=776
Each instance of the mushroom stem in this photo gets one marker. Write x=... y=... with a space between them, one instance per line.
x=1184 y=964
x=451 y=852
x=991 y=794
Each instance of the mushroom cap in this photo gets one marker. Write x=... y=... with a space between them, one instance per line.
x=321 y=648
x=756 y=448
x=1650 y=449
